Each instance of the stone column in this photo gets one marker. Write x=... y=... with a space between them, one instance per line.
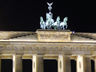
x=64 y=64
x=37 y=63
x=87 y=64
x=83 y=64
x=80 y=64
x=17 y=63
x=95 y=64
x=0 y=64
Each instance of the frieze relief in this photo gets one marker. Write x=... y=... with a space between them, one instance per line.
x=47 y=47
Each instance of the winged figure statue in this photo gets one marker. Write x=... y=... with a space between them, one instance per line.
x=50 y=6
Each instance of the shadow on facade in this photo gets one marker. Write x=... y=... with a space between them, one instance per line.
x=6 y=65
x=50 y=66
x=73 y=66
x=92 y=66
x=27 y=65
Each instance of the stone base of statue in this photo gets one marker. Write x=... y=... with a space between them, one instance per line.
x=53 y=35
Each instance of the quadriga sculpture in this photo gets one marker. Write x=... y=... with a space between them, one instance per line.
x=56 y=25
x=50 y=23
x=63 y=24
x=42 y=23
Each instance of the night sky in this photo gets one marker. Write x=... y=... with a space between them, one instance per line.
x=24 y=15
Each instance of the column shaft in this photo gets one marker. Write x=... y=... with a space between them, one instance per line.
x=64 y=64
x=0 y=64
x=80 y=64
x=83 y=64
x=95 y=64
x=37 y=63
x=87 y=64
x=17 y=63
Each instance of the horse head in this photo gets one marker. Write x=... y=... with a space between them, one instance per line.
x=65 y=19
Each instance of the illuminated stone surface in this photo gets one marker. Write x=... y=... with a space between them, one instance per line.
x=49 y=44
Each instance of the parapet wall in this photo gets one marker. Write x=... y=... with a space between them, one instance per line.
x=53 y=35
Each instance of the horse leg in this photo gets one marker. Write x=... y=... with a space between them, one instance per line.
x=63 y=27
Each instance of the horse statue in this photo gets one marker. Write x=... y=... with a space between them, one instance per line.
x=56 y=25
x=42 y=23
x=49 y=21
x=63 y=24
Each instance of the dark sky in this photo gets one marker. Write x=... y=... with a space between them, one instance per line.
x=24 y=15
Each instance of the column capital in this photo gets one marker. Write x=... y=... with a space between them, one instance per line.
x=17 y=54
x=64 y=55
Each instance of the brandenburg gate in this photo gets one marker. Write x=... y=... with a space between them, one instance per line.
x=52 y=41
x=49 y=44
